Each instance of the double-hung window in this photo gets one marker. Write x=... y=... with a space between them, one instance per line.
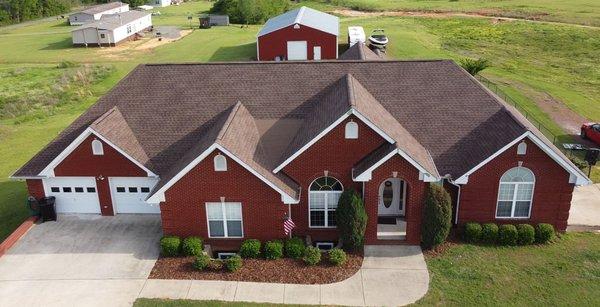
x=224 y=220
x=323 y=198
x=515 y=195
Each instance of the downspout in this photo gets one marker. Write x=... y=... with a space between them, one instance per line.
x=448 y=178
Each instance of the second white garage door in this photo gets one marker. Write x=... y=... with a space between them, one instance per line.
x=129 y=194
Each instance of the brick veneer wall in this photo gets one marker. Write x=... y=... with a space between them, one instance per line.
x=415 y=197
x=83 y=163
x=552 y=191
x=35 y=188
x=337 y=155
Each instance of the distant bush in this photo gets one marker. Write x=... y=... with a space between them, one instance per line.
x=437 y=216
x=170 y=246
x=544 y=233
x=580 y=163
x=337 y=256
x=273 y=250
x=192 y=246
x=526 y=234
x=250 y=11
x=201 y=262
x=489 y=233
x=312 y=255
x=294 y=247
x=250 y=249
x=67 y=64
x=233 y=263
x=508 y=235
x=351 y=219
x=472 y=232
x=474 y=66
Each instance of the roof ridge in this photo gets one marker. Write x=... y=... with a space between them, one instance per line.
x=105 y=115
x=227 y=123
x=294 y=62
x=350 y=88
x=300 y=14
x=361 y=51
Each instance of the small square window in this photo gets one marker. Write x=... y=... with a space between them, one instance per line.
x=55 y=189
x=324 y=245
x=78 y=190
x=120 y=189
x=145 y=189
x=103 y=35
x=133 y=190
x=91 y=190
x=224 y=255
x=67 y=189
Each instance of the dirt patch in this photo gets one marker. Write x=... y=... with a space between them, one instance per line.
x=290 y=271
x=154 y=42
x=147 y=43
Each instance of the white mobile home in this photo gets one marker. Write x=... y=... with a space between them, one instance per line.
x=96 y=12
x=111 y=30
x=159 y=3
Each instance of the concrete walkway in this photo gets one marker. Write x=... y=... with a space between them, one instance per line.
x=389 y=276
x=585 y=206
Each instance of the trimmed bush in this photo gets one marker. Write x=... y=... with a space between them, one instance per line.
x=215 y=265
x=250 y=249
x=544 y=233
x=437 y=216
x=201 y=262
x=192 y=246
x=273 y=250
x=294 y=248
x=526 y=234
x=170 y=246
x=472 y=232
x=233 y=263
x=312 y=255
x=351 y=219
x=489 y=233
x=337 y=256
x=508 y=235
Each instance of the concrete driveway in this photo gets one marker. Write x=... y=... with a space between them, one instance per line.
x=81 y=261
x=585 y=207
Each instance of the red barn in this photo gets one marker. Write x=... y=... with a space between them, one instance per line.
x=301 y=34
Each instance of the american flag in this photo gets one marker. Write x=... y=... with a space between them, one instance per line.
x=288 y=225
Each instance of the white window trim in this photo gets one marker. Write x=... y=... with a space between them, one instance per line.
x=326 y=209
x=328 y=244
x=224 y=220
x=97 y=148
x=514 y=198
x=522 y=148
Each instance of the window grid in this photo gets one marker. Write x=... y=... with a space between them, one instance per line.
x=224 y=216
x=515 y=195
x=324 y=202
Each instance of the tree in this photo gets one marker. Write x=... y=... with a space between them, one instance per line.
x=474 y=66
x=250 y=11
x=351 y=220
x=437 y=216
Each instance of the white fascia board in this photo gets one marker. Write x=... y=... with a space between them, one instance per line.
x=314 y=140
x=48 y=171
x=367 y=174
x=372 y=126
x=423 y=174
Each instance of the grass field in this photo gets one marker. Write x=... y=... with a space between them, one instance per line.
x=564 y=273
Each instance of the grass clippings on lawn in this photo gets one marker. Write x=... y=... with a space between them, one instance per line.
x=286 y=270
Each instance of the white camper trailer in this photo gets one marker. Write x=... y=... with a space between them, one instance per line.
x=356 y=34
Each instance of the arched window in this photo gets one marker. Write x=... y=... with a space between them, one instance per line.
x=97 y=148
x=352 y=130
x=515 y=194
x=220 y=163
x=323 y=196
x=522 y=149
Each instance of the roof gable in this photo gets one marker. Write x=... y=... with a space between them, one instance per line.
x=360 y=51
x=303 y=16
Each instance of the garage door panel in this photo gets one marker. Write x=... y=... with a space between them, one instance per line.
x=297 y=50
x=73 y=194
x=129 y=194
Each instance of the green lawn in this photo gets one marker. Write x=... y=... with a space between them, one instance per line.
x=564 y=273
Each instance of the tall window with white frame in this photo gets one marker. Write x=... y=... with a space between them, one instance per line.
x=224 y=220
x=515 y=195
x=323 y=196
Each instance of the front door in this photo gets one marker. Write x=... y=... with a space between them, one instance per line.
x=392 y=197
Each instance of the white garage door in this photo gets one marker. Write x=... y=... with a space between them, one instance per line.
x=129 y=194
x=297 y=50
x=73 y=194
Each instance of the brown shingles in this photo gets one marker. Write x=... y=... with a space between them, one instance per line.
x=360 y=51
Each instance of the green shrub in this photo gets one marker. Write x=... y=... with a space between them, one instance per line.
x=192 y=246
x=215 y=265
x=580 y=163
x=526 y=234
x=67 y=64
x=250 y=249
x=170 y=246
x=351 y=219
x=201 y=262
x=273 y=250
x=489 y=233
x=508 y=235
x=437 y=216
x=250 y=11
x=312 y=255
x=472 y=232
x=474 y=66
x=294 y=248
x=233 y=263
x=544 y=233
x=337 y=256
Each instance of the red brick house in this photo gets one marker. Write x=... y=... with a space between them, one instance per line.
x=259 y=142
x=300 y=34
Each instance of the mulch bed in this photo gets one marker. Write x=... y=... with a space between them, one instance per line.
x=289 y=271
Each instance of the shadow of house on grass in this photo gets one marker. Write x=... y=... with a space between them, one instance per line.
x=66 y=43
x=246 y=52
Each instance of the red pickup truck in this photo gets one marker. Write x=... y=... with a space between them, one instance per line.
x=591 y=131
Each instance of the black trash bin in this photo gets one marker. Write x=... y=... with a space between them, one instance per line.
x=47 y=209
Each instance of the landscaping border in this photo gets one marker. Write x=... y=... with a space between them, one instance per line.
x=17 y=234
